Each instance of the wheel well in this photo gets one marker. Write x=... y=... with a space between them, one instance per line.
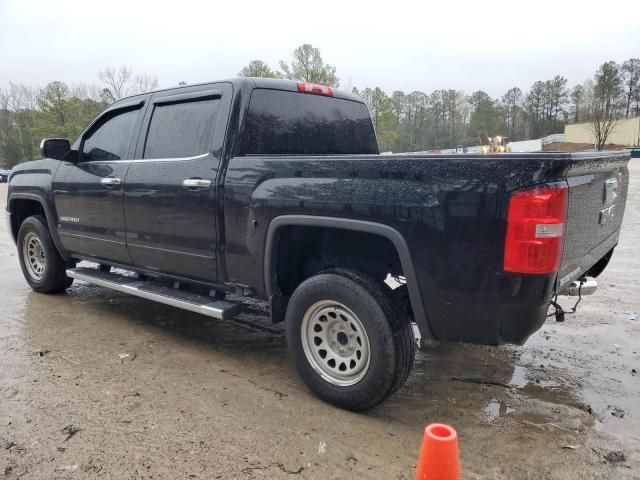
x=22 y=209
x=303 y=251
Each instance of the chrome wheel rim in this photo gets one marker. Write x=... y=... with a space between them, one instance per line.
x=33 y=255
x=335 y=343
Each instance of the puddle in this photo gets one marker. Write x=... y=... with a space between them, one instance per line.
x=496 y=408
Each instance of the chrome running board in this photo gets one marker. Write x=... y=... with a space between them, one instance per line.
x=157 y=292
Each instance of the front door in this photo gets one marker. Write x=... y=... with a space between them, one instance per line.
x=170 y=194
x=88 y=193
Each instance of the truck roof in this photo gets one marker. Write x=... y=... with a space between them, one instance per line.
x=254 y=82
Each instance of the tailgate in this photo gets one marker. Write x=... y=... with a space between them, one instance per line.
x=598 y=185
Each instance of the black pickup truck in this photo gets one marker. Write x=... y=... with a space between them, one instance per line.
x=276 y=189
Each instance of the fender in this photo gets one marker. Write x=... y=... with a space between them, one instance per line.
x=49 y=217
x=391 y=234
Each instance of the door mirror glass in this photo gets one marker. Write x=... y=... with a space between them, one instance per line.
x=56 y=148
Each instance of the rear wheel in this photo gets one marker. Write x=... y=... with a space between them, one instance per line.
x=351 y=343
x=42 y=266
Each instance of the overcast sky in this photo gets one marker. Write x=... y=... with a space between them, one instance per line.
x=422 y=45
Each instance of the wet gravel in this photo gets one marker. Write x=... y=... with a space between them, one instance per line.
x=97 y=384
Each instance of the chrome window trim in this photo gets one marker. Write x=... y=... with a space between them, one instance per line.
x=149 y=160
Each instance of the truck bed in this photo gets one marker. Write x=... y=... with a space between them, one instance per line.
x=451 y=211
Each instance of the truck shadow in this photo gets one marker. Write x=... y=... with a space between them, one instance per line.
x=449 y=382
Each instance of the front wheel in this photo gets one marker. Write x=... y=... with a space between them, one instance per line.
x=351 y=343
x=42 y=266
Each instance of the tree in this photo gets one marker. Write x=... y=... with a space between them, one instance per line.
x=257 y=68
x=383 y=116
x=377 y=102
x=534 y=105
x=631 y=77
x=416 y=104
x=53 y=102
x=307 y=65
x=602 y=127
x=61 y=113
x=512 y=106
x=577 y=99
x=608 y=87
x=606 y=97
x=588 y=102
x=145 y=83
x=483 y=116
x=558 y=95
x=121 y=82
x=6 y=117
x=118 y=82
x=397 y=104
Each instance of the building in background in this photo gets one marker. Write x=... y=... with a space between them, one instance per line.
x=626 y=132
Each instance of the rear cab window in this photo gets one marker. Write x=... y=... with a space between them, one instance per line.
x=291 y=123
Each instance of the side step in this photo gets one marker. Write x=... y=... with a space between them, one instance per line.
x=157 y=292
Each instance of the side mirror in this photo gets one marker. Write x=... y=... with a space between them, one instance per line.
x=56 y=148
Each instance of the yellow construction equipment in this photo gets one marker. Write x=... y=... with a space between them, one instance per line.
x=498 y=144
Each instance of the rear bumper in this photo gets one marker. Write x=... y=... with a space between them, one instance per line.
x=509 y=315
x=510 y=312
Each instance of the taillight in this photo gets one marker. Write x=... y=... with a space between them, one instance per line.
x=305 y=87
x=535 y=230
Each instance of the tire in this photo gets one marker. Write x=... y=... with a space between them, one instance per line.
x=42 y=266
x=348 y=312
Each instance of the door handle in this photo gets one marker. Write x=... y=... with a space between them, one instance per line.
x=196 y=183
x=110 y=181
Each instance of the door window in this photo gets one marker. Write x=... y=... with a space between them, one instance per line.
x=180 y=130
x=110 y=141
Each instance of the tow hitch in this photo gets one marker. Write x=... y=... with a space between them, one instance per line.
x=581 y=287
x=577 y=288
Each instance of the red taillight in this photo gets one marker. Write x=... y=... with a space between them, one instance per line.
x=535 y=230
x=305 y=87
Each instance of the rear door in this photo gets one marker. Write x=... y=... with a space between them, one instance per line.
x=88 y=194
x=170 y=189
x=598 y=185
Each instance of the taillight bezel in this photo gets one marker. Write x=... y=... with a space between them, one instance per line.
x=522 y=232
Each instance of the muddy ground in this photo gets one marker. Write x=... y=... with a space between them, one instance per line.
x=196 y=398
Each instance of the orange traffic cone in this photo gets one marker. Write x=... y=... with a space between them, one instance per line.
x=439 y=458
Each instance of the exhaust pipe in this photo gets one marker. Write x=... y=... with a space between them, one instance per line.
x=583 y=286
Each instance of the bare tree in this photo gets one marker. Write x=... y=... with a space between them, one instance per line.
x=5 y=118
x=22 y=102
x=602 y=127
x=145 y=83
x=94 y=92
x=119 y=82
x=79 y=91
